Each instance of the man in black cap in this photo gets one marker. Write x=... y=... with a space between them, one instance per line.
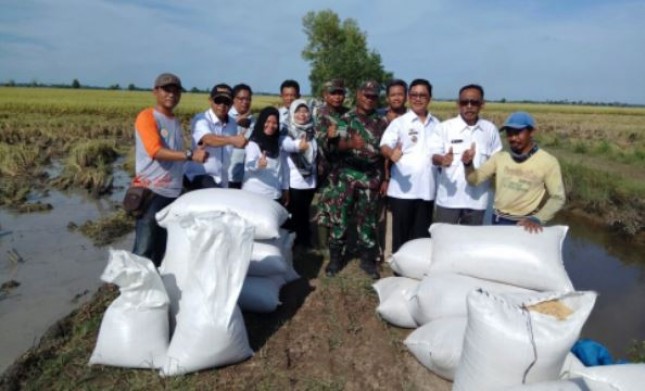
x=361 y=181
x=216 y=131
x=160 y=157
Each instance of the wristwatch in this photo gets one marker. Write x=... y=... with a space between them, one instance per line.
x=189 y=154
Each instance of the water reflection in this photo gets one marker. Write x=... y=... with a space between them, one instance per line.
x=615 y=268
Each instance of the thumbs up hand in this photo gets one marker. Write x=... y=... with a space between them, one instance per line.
x=262 y=161
x=468 y=155
x=303 y=145
x=448 y=158
x=397 y=152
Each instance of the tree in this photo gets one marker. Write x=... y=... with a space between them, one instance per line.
x=338 y=50
x=76 y=83
x=131 y=87
x=115 y=87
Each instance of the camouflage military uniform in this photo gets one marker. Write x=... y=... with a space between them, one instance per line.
x=356 y=192
x=329 y=158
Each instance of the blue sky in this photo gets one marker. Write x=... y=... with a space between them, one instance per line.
x=531 y=49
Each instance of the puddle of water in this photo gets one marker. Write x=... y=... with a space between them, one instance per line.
x=58 y=265
x=615 y=268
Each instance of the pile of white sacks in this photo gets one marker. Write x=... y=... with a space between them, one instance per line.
x=494 y=309
x=225 y=252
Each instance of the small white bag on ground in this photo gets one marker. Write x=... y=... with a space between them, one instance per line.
x=134 y=329
x=444 y=295
x=210 y=329
x=438 y=345
x=413 y=258
x=261 y=294
x=509 y=341
x=264 y=214
x=621 y=377
x=396 y=300
x=506 y=254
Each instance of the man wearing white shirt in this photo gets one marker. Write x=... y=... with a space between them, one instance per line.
x=289 y=91
x=411 y=191
x=458 y=202
x=240 y=113
x=214 y=130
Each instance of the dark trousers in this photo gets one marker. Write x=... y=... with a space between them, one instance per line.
x=459 y=216
x=150 y=238
x=200 y=182
x=410 y=220
x=235 y=185
x=299 y=205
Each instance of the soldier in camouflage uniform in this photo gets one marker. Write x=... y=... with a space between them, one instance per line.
x=360 y=183
x=328 y=120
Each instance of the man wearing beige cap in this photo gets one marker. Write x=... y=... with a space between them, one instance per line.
x=361 y=181
x=160 y=158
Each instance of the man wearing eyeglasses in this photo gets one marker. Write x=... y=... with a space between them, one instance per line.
x=214 y=130
x=240 y=113
x=411 y=190
x=458 y=202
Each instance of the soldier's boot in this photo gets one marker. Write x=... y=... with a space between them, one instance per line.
x=335 y=259
x=368 y=263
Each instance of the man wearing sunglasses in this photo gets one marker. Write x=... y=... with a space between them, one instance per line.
x=458 y=202
x=214 y=130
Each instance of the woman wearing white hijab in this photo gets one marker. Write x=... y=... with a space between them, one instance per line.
x=301 y=144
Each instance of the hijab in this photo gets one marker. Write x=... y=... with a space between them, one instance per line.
x=267 y=143
x=304 y=160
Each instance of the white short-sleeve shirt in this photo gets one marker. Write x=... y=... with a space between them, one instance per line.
x=452 y=189
x=218 y=157
x=413 y=176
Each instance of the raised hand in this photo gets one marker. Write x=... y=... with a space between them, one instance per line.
x=262 y=161
x=238 y=141
x=448 y=158
x=332 y=130
x=200 y=154
x=357 y=141
x=303 y=144
x=397 y=152
x=468 y=155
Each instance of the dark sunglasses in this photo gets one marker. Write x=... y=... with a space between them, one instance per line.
x=471 y=102
x=222 y=101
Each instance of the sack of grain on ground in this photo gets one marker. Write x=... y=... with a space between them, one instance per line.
x=506 y=254
x=210 y=330
x=514 y=339
x=396 y=295
x=261 y=294
x=413 y=259
x=134 y=330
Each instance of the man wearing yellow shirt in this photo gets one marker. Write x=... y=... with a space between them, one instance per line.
x=528 y=182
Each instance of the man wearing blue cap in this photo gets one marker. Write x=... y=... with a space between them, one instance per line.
x=528 y=182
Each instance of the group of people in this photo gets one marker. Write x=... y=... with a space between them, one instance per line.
x=354 y=159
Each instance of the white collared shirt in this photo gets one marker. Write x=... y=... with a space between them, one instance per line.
x=452 y=189
x=413 y=176
x=218 y=157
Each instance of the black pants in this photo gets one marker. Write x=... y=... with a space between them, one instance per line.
x=200 y=182
x=410 y=220
x=299 y=204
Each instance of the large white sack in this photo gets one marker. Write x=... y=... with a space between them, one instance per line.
x=396 y=300
x=506 y=254
x=413 y=259
x=621 y=377
x=210 y=329
x=507 y=345
x=438 y=345
x=444 y=295
x=264 y=214
x=261 y=294
x=267 y=259
x=134 y=329
x=285 y=243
